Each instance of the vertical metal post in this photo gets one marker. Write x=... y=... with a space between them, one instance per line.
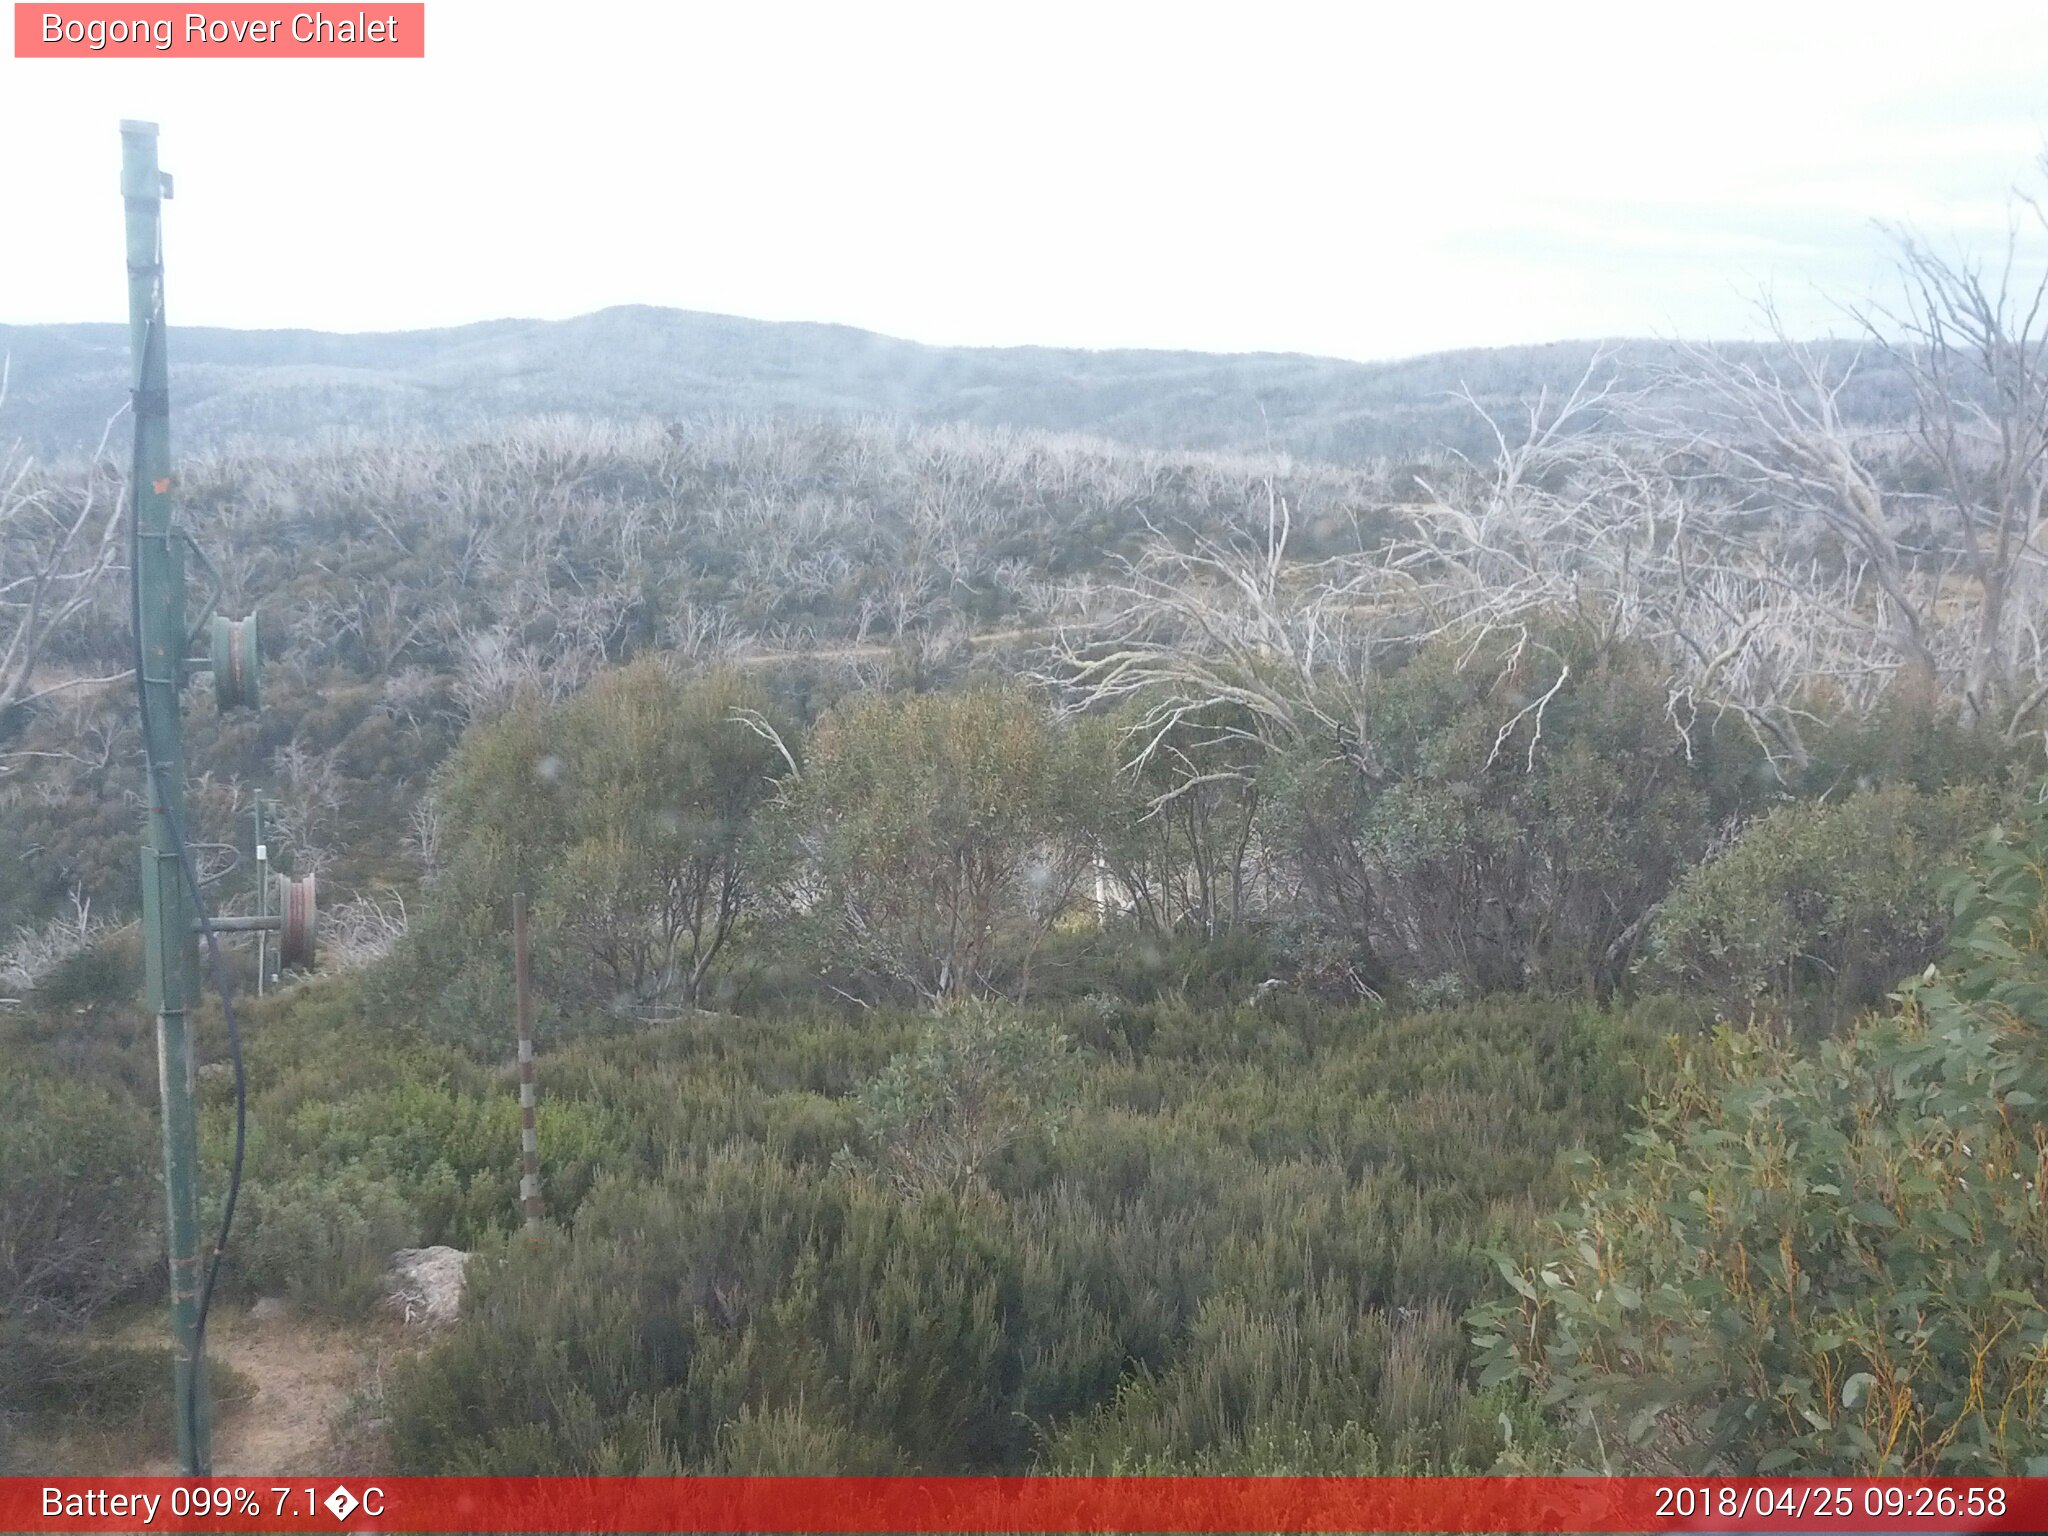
x=170 y=954
x=529 y=1131
x=262 y=892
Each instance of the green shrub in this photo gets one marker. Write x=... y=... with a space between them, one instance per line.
x=980 y=1080
x=636 y=1341
x=1829 y=1263
x=1906 y=740
x=795 y=1439
x=79 y=1214
x=104 y=973
x=322 y=1239
x=98 y=1401
x=626 y=813
x=661 y=781
x=1506 y=819
x=939 y=837
x=1823 y=907
x=361 y=1133
x=1179 y=831
x=1281 y=1205
x=126 y=1388
x=1344 y=1393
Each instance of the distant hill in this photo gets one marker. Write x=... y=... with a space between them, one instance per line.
x=264 y=388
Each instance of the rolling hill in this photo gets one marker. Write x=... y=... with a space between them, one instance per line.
x=266 y=388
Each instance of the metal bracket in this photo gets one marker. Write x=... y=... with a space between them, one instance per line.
x=199 y=625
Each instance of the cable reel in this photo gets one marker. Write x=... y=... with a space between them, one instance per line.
x=237 y=663
x=298 y=934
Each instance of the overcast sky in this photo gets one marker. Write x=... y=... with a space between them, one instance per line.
x=1361 y=180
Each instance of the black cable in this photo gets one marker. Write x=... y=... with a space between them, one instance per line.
x=193 y=883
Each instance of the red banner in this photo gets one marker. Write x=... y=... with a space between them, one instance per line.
x=227 y=31
x=1022 y=1504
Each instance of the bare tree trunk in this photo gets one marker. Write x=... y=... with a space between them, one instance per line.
x=56 y=543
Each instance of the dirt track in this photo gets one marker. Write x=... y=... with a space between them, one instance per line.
x=304 y=1377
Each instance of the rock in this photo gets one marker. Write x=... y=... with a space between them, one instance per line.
x=423 y=1286
x=270 y=1309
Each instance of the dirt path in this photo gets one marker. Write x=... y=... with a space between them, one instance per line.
x=305 y=1375
x=300 y=1403
x=304 y=1378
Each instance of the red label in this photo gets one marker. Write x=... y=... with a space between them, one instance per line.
x=234 y=31
x=1206 y=1505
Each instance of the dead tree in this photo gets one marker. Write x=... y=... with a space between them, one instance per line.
x=1939 y=521
x=58 y=537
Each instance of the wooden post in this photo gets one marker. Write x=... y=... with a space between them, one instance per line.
x=529 y=1134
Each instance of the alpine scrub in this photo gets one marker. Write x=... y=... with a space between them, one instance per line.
x=1827 y=1262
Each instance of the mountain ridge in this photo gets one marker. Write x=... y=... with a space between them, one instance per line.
x=266 y=388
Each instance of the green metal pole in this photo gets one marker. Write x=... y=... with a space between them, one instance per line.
x=170 y=954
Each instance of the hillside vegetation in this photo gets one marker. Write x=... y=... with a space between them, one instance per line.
x=1054 y=954
x=275 y=389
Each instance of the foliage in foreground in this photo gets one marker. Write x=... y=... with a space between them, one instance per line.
x=78 y=1221
x=1828 y=1263
x=1251 y=1237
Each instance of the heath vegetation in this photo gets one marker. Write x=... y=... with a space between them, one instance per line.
x=1060 y=954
